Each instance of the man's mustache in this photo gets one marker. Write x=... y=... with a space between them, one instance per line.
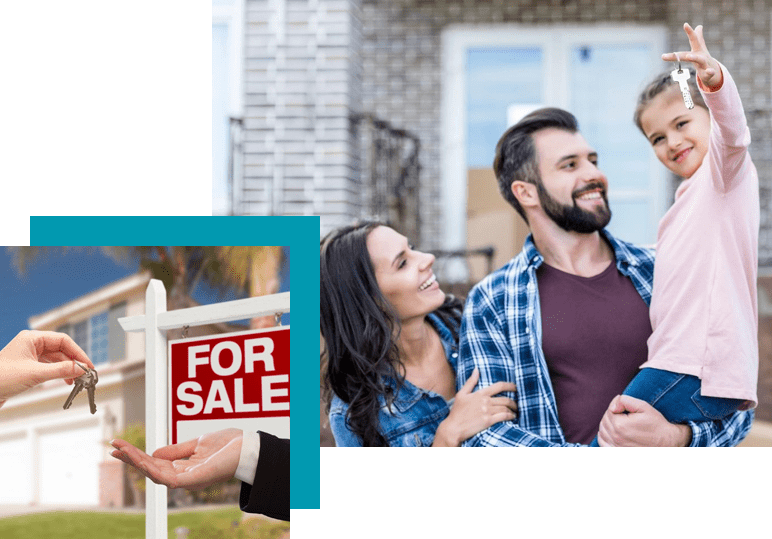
x=591 y=187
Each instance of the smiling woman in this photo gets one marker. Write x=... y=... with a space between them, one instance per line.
x=404 y=275
x=391 y=346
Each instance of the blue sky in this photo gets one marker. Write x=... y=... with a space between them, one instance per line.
x=51 y=282
x=64 y=275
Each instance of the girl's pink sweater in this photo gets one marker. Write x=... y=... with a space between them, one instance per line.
x=704 y=302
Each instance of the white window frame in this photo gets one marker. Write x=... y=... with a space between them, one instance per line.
x=86 y=317
x=233 y=16
x=556 y=42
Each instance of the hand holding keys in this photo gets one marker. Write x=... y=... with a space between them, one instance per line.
x=708 y=69
x=88 y=381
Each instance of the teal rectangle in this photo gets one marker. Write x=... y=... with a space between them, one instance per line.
x=301 y=234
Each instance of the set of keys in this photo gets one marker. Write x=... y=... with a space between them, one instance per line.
x=87 y=381
x=681 y=76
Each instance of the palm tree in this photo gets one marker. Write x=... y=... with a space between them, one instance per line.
x=255 y=269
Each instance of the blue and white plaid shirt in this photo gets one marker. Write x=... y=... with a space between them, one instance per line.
x=501 y=336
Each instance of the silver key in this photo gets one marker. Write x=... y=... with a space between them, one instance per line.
x=681 y=76
x=90 y=388
x=87 y=381
x=79 y=384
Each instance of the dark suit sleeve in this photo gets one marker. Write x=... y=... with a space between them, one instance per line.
x=269 y=493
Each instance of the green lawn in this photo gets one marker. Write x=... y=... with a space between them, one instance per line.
x=214 y=524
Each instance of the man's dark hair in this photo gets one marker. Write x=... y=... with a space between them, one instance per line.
x=516 y=154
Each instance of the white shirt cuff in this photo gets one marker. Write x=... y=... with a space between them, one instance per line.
x=250 y=451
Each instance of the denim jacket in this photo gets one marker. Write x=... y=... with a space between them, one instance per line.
x=415 y=413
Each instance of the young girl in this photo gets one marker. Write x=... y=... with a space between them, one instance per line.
x=703 y=352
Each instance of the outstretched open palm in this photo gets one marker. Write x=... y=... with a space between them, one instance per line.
x=195 y=464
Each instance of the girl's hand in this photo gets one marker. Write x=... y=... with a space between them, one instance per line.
x=708 y=70
x=473 y=412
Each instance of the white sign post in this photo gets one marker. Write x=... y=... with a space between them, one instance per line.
x=155 y=323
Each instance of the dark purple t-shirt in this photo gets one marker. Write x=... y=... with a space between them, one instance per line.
x=594 y=333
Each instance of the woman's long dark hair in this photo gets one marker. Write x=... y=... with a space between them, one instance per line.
x=358 y=327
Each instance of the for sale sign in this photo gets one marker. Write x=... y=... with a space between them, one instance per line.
x=230 y=380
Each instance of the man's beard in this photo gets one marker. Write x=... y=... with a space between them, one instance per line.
x=571 y=217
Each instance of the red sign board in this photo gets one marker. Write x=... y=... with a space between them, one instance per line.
x=230 y=380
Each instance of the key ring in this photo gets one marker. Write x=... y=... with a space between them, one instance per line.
x=81 y=365
x=679 y=62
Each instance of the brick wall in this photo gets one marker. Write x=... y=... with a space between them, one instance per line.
x=301 y=84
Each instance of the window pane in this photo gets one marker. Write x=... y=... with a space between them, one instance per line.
x=99 y=338
x=497 y=79
x=605 y=83
x=80 y=335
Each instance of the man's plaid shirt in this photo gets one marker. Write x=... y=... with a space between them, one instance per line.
x=501 y=336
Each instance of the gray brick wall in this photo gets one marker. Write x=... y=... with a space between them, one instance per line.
x=302 y=76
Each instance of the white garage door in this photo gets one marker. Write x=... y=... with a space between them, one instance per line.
x=15 y=470
x=69 y=466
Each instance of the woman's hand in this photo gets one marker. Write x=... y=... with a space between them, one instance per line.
x=475 y=411
x=33 y=357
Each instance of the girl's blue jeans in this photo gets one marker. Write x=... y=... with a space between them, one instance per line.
x=677 y=397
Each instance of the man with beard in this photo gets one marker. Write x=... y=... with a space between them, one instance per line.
x=567 y=319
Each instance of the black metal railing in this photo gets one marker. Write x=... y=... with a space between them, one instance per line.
x=389 y=169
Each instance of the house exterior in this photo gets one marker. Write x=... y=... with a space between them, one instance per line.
x=55 y=457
